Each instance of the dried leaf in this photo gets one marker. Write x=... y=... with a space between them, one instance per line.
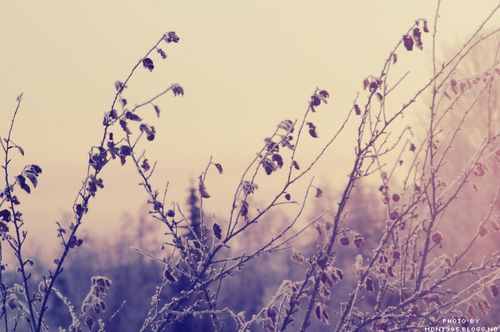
x=494 y=290
x=145 y=165
x=315 y=101
x=203 y=190
x=219 y=168
x=20 y=150
x=113 y=114
x=89 y=321
x=366 y=82
x=317 y=312
x=426 y=28
x=177 y=90
x=118 y=85
x=483 y=305
x=123 y=124
x=132 y=116
x=319 y=193
x=390 y=271
x=416 y=33
x=217 y=231
x=157 y=110
x=286 y=125
x=297 y=257
x=470 y=311
x=483 y=232
x=244 y=209
x=495 y=222
x=296 y=165
x=171 y=37
x=169 y=276
x=357 y=109
x=26 y=188
x=312 y=130
x=249 y=187
x=162 y=53
x=324 y=316
x=148 y=63
x=408 y=42
x=277 y=158
x=319 y=229
x=437 y=237
x=322 y=261
x=5 y=215
x=35 y=169
x=359 y=241
x=369 y=285
x=287 y=197
x=344 y=241
x=125 y=150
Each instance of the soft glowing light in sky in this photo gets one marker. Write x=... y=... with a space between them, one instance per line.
x=244 y=65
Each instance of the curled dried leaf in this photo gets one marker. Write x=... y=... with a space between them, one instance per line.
x=369 y=285
x=148 y=63
x=357 y=109
x=366 y=82
x=132 y=116
x=157 y=110
x=169 y=276
x=219 y=167
x=426 y=28
x=177 y=90
x=171 y=37
x=286 y=125
x=203 y=190
x=162 y=53
x=312 y=130
x=277 y=158
x=123 y=124
x=483 y=232
x=344 y=241
x=244 y=209
x=297 y=257
x=483 y=305
x=494 y=290
x=145 y=165
x=437 y=237
x=89 y=321
x=319 y=229
x=359 y=241
x=408 y=42
x=217 y=231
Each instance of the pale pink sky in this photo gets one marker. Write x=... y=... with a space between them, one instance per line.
x=244 y=65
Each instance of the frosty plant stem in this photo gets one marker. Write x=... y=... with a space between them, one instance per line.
x=15 y=216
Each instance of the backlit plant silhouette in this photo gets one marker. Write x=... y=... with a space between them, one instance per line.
x=407 y=281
